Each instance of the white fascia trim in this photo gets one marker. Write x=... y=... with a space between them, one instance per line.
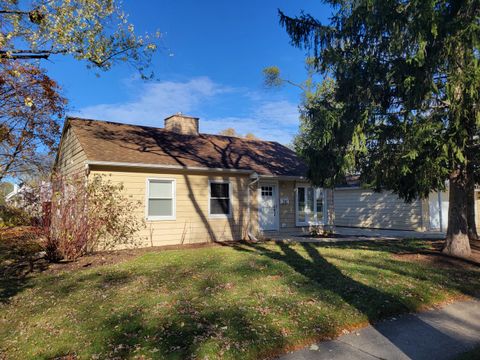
x=279 y=177
x=167 y=167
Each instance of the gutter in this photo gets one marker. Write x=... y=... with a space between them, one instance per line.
x=165 y=167
x=253 y=175
x=280 y=177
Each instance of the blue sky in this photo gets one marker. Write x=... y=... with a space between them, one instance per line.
x=210 y=67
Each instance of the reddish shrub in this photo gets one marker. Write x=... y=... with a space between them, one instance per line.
x=88 y=215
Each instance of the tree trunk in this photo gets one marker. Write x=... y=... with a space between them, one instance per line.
x=472 y=226
x=457 y=243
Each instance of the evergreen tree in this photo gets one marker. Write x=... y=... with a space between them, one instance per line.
x=407 y=80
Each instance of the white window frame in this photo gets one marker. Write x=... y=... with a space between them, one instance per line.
x=315 y=221
x=174 y=200
x=230 y=203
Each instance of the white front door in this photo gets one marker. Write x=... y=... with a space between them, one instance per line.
x=268 y=207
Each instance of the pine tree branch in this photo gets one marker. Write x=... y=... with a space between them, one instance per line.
x=17 y=12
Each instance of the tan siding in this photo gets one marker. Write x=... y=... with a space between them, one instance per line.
x=193 y=223
x=365 y=208
x=287 y=221
x=253 y=197
x=287 y=211
x=71 y=157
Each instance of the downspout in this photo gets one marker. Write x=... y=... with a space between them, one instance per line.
x=87 y=169
x=255 y=178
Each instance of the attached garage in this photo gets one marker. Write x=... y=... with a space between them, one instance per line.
x=438 y=211
x=356 y=207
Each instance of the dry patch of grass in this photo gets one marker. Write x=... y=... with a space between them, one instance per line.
x=19 y=249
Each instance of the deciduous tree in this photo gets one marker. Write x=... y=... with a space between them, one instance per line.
x=31 y=109
x=229 y=132
x=97 y=31
x=5 y=189
x=233 y=132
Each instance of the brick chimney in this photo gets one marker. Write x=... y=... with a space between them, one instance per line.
x=182 y=124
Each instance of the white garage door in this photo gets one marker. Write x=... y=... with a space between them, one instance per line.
x=366 y=208
x=438 y=211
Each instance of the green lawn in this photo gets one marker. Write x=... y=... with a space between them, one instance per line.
x=242 y=301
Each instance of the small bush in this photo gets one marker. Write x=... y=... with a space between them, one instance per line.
x=13 y=216
x=52 y=250
x=88 y=215
x=319 y=231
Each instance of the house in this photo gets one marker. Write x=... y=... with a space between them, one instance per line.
x=197 y=187
x=29 y=197
x=12 y=196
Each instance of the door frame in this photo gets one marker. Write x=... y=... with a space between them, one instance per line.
x=277 y=203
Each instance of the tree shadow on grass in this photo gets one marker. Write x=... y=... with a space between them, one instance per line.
x=184 y=333
x=190 y=328
x=185 y=329
x=371 y=302
x=403 y=247
x=193 y=319
x=18 y=260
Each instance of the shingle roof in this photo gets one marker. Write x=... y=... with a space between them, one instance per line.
x=116 y=142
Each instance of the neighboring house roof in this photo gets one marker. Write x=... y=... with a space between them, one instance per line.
x=115 y=142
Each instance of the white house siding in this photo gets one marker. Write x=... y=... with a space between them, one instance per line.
x=438 y=211
x=366 y=208
x=439 y=216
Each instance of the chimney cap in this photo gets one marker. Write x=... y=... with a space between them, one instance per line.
x=179 y=114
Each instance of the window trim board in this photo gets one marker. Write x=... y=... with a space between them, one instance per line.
x=318 y=222
x=230 y=198
x=174 y=199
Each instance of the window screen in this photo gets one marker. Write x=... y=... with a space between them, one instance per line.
x=219 y=199
x=160 y=198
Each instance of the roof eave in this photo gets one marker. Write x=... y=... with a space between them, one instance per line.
x=283 y=177
x=90 y=163
x=165 y=167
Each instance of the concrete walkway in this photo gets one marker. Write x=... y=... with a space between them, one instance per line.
x=391 y=234
x=358 y=234
x=437 y=334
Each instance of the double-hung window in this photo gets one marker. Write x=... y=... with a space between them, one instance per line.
x=220 y=204
x=310 y=205
x=161 y=199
